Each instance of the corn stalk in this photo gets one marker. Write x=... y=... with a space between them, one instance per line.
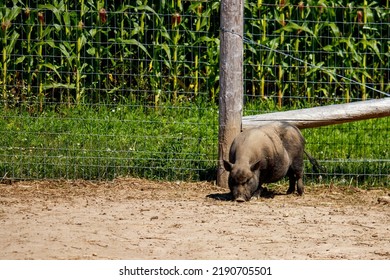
x=8 y=41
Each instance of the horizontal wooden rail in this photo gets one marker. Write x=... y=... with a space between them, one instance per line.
x=324 y=115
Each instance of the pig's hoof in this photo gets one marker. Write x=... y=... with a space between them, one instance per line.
x=290 y=191
x=258 y=193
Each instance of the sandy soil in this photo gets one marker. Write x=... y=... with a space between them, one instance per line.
x=138 y=219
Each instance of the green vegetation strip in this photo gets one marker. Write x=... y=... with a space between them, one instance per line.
x=168 y=143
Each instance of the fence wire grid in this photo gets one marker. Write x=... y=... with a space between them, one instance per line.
x=101 y=89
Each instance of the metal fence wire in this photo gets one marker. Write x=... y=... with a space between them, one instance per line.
x=312 y=53
x=101 y=89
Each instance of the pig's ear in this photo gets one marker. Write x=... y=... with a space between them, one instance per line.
x=255 y=166
x=228 y=166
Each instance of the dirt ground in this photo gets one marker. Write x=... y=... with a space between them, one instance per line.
x=138 y=219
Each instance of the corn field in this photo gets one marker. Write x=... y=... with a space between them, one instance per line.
x=157 y=51
x=88 y=51
x=162 y=57
x=324 y=51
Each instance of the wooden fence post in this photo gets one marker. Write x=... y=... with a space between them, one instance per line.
x=231 y=80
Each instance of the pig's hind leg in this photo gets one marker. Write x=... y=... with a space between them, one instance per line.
x=295 y=178
x=292 y=180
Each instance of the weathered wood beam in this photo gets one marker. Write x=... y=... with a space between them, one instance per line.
x=325 y=115
x=231 y=81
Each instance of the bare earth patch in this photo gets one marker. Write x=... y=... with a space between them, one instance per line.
x=138 y=219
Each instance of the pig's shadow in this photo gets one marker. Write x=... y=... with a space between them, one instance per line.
x=266 y=193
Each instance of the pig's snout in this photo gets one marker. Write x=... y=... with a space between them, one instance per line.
x=240 y=199
x=241 y=195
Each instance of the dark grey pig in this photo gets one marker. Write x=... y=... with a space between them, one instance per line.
x=265 y=154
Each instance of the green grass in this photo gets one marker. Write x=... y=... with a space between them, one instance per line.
x=167 y=143
x=103 y=143
x=357 y=152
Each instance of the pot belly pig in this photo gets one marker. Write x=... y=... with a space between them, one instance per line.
x=265 y=154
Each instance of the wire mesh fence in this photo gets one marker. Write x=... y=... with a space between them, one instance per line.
x=310 y=53
x=97 y=89
x=100 y=89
